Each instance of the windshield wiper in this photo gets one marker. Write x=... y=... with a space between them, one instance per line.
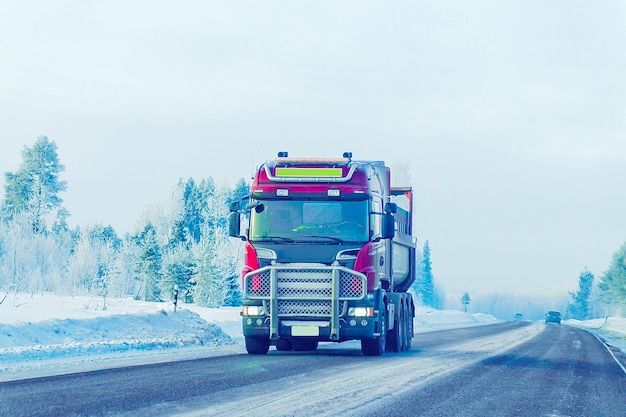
x=335 y=239
x=273 y=239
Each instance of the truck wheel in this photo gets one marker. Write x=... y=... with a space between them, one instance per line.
x=393 y=344
x=409 y=327
x=376 y=346
x=304 y=345
x=257 y=346
x=402 y=329
x=396 y=337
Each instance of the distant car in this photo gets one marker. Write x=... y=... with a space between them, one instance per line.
x=518 y=316
x=553 y=317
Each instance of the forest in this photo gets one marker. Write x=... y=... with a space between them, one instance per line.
x=181 y=245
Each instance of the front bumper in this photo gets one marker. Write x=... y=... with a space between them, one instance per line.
x=350 y=328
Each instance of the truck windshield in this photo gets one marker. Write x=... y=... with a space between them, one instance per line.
x=306 y=221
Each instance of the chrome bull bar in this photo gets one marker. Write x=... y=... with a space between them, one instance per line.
x=304 y=291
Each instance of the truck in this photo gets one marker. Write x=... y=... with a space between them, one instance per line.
x=329 y=255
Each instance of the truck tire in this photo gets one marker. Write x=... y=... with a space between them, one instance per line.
x=402 y=329
x=409 y=327
x=396 y=337
x=257 y=346
x=376 y=346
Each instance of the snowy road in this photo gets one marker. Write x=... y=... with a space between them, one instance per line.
x=563 y=372
x=330 y=382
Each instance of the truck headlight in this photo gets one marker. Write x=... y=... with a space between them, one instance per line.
x=253 y=310
x=361 y=311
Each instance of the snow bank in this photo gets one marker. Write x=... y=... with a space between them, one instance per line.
x=611 y=329
x=49 y=334
x=430 y=319
x=124 y=332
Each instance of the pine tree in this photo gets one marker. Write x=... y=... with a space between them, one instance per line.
x=579 y=307
x=35 y=187
x=209 y=289
x=191 y=218
x=241 y=190
x=426 y=288
x=233 y=297
x=231 y=254
x=149 y=264
x=612 y=285
x=217 y=256
x=180 y=270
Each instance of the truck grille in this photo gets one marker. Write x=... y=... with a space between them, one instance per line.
x=303 y=308
x=304 y=291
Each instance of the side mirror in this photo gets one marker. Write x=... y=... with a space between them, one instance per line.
x=389 y=226
x=234 y=221
x=234 y=224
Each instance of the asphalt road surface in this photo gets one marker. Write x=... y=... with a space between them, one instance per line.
x=510 y=369
x=564 y=371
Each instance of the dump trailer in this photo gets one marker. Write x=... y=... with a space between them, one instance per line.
x=329 y=256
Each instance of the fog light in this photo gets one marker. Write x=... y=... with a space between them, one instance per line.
x=353 y=322
x=249 y=322
x=259 y=322
x=363 y=323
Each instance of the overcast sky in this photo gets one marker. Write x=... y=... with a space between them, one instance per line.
x=510 y=114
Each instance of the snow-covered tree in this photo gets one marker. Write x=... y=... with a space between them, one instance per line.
x=579 y=307
x=82 y=266
x=149 y=264
x=612 y=284
x=191 y=229
x=217 y=255
x=194 y=203
x=127 y=281
x=241 y=189
x=93 y=266
x=179 y=267
x=34 y=188
x=15 y=253
x=424 y=286
x=31 y=261
x=233 y=250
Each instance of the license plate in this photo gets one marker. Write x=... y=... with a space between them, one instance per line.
x=305 y=331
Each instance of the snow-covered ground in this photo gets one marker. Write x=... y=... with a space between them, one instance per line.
x=49 y=334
